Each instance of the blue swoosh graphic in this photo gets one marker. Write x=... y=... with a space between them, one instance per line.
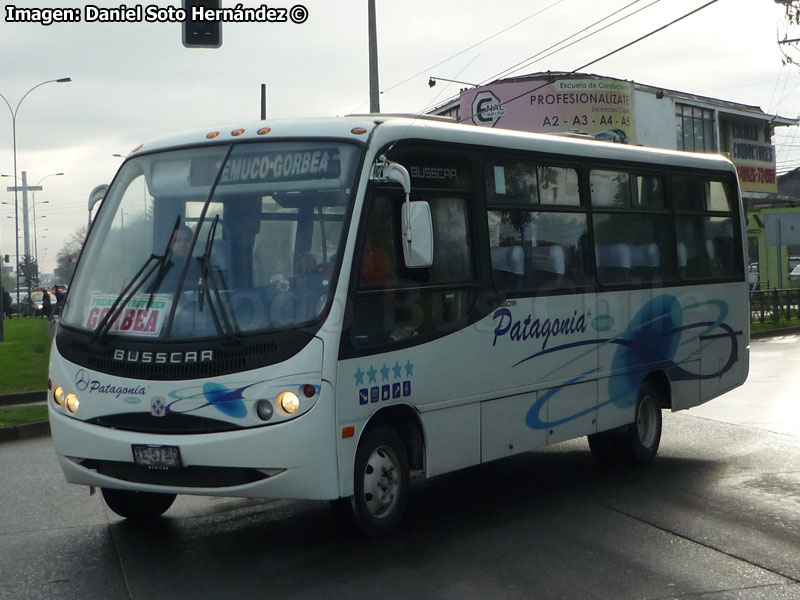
x=652 y=338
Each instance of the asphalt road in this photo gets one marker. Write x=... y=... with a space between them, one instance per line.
x=716 y=516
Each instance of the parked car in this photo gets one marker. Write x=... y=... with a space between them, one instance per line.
x=753 y=277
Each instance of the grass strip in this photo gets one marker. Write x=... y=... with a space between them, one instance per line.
x=20 y=415
x=24 y=355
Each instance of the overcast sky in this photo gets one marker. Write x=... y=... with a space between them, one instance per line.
x=134 y=81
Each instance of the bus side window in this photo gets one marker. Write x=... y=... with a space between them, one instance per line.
x=394 y=303
x=538 y=250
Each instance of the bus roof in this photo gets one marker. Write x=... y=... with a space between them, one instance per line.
x=389 y=128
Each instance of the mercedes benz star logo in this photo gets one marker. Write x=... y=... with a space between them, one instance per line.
x=82 y=379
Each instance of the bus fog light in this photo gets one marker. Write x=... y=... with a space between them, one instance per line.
x=58 y=395
x=264 y=410
x=72 y=403
x=289 y=402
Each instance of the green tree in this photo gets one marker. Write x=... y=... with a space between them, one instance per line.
x=8 y=281
x=29 y=271
x=68 y=255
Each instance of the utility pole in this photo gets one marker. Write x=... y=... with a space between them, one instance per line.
x=25 y=188
x=374 y=93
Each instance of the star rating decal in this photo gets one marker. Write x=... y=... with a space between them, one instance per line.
x=394 y=382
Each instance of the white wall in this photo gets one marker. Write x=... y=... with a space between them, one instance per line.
x=654 y=120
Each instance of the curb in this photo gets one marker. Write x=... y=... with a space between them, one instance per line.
x=29 y=430
x=23 y=398
x=774 y=332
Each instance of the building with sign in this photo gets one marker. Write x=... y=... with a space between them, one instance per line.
x=773 y=236
x=630 y=112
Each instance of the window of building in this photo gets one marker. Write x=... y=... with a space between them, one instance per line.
x=696 y=128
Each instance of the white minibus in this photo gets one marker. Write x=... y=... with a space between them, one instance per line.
x=318 y=309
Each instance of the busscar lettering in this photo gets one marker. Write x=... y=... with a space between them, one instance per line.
x=535 y=329
x=161 y=358
x=449 y=174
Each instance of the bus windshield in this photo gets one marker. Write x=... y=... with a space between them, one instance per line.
x=216 y=241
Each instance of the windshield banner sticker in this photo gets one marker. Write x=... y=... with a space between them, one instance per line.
x=141 y=316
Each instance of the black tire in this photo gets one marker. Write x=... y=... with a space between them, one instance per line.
x=138 y=506
x=638 y=442
x=381 y=482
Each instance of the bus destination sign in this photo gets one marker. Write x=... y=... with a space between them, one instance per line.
x=284 y=165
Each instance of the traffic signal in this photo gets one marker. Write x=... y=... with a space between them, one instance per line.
x=200 y=30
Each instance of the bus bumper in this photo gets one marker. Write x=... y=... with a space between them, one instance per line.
x=293 y=460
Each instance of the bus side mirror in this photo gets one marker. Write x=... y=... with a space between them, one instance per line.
x=417 y=235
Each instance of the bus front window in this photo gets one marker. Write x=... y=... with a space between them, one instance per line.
x=217 y=241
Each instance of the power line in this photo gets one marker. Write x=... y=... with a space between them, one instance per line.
x=473 y=46
x=623 y=47
x=530 y=60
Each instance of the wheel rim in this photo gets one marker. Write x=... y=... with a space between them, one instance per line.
x=646 y=421
x=381 y=481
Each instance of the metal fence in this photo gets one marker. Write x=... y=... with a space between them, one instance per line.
x=774 y=305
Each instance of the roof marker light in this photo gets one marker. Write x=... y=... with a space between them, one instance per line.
x=264 y=130
x=212 y=135
x=139 y=147
x=237 y=132
x=358 y=130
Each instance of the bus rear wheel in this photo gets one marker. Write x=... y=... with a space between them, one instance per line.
x=381 y=483
x=638 y=442
x=137 y=505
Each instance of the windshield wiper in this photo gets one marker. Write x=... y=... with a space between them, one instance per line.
x=134 y=285
x=209 y=287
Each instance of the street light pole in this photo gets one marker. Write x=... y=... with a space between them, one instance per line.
x=14 y=112
x=374 y=91
x=33 y=201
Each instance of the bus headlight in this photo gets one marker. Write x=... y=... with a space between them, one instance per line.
x=58 y=395
x=72 y=403
x=289 y=402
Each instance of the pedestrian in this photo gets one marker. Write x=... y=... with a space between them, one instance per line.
x=6 y=303
x=59 y=301
x=47 y=306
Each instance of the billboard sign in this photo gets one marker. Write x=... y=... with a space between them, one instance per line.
x=590 y=105
x=754 y=159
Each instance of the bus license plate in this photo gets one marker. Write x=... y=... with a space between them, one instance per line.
x=157 y=457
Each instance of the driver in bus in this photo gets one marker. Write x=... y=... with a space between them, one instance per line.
x=169 y=274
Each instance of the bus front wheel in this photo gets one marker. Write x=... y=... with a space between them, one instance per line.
x=381 y=482
x=137 y=505
x=638 y=442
